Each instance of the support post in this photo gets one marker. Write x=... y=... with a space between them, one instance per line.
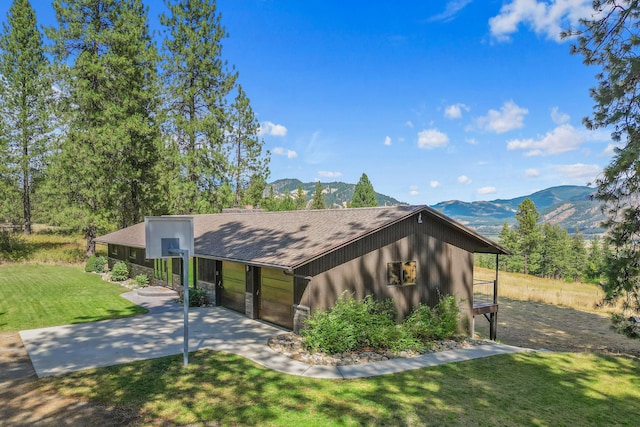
x=185 y=297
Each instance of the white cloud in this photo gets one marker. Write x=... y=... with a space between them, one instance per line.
x=471 y=141
x=270 y=128
x=560 y=140
x=611 y=149
x=452 y=7
x=532 y=173
x=455 y=111
x=463 y=179
x=508 y=118
x=409 y=124
x=328 y=174
x=548 y=18
x=579 y=172
x=432 y=138
x=387 y=140
x=280 y=151
x=558 y=117
x=413 y=190
x=434 y=184
x=487 y=190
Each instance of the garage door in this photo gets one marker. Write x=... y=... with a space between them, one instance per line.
x=233 y=286
x=276 y=297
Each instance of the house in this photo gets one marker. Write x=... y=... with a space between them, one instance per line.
x=281 y=266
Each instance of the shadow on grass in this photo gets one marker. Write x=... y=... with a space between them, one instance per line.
x=130 y=311
x=541 y=389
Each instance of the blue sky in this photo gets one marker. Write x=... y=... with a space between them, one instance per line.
x=466 y=99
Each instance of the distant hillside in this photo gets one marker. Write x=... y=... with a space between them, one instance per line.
x=335 y=193
x=568 y=205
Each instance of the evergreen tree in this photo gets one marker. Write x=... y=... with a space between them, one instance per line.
x=25 y=110
x=507 y=239
x=594 y=267
x=287 y=203
x=609 y=40
x=247 y=160
x=108 y=154
x=317 y=202
x=555 y=251
x=301 y=199
x=577 y=257
x=364 y=194
x=254 y=193
x=197 y=85
x=528 y=233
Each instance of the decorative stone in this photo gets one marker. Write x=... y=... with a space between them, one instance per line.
x=292 y=346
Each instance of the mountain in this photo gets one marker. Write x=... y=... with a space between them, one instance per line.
x=570 y=206
x=335 y=193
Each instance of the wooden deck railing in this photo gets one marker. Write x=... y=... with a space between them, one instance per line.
x=485 y=303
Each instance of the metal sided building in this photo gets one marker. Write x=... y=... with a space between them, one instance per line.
x=281 y=266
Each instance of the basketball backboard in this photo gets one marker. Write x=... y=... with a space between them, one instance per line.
x=163 y=233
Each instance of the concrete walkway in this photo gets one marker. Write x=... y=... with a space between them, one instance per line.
x=62 y=349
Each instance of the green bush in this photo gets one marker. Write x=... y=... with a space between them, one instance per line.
x=142 y=280
x=95 y=264
x=197 y=297
x=351 y=325
x=119 y=272
x=12 y=246
x=426 y=323
x=624 y=325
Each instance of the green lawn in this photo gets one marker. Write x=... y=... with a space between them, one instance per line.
x=542 y=389
x=36 y=296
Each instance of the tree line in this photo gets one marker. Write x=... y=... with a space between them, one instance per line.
x=548 y=250
x=100 y=124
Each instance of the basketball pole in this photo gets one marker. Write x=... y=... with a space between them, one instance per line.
x=185 y=290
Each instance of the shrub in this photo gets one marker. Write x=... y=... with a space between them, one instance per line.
x=351 y=325
x=625 y=325
x=119 y=272
x=437 y=323
x=197 y=297
x=12 y=246
x=95 y=264
x=142 y=280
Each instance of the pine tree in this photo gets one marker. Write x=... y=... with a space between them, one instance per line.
x=108 y=155
x=317 y=202
x=197 y=84
x=25 y=109
x=364 y=194
x=594 y=267
x=301 y=199
x=609 y=40
x=577 y=257
x=528 y=233
x=287 y=203
x=248 y=160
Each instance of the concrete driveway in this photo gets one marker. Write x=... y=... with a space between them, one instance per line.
x=63 y=349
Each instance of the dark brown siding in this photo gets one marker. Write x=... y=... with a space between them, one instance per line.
x=444 y=262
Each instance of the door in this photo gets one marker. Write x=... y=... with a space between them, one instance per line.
x=234 y=284
x=275 y=297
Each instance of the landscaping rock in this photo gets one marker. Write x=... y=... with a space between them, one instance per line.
x=292 y=346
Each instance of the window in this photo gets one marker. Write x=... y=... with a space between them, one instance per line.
x=133 y=253
x=401 y=273
x=114 y=249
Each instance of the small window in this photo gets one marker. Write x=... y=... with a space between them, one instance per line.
x=114 y=249
x=133 y=253
x=401 y=273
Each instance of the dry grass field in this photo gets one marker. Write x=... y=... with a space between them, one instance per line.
x=577 y=295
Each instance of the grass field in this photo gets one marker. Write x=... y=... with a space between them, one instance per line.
x=578 y=295
x=35 y=296
x=540 y=389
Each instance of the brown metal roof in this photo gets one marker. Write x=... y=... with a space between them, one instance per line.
x=293 y=238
